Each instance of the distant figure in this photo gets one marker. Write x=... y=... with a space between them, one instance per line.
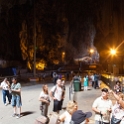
x=92 y=79
x=96 y=78
x=86 y=82
x=67 y=76
x=5 y=85
x=16 y=98
x=45 y=100
x=117 y=87
x=55 y=77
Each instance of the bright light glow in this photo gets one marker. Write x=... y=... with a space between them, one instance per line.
x=91 y=50
x=113 y=51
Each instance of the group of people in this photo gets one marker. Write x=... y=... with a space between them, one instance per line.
x=57 y=93
x=13 y=93
x=105 y=111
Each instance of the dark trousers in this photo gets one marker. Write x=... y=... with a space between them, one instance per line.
x=57 y=105
x=6 y=93
x=95 y=84
x=92 y=83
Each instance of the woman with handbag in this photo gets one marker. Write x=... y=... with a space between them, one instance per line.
x=118 y=111
x=45 y=100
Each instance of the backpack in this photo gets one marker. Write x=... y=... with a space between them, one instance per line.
x=63 y=91
x=54 y=91
x=41 y=120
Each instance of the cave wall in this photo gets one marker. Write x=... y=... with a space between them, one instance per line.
x=68 y=26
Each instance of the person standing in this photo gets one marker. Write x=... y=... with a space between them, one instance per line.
x=102 y=107
x=92 y=79
x=96 y=78
x=16 y=97
x=56 y=94
x=86 y=82
x=5 y=85
x=118 y=87
x=118 y=111
x=45 y=100
x=55 y=77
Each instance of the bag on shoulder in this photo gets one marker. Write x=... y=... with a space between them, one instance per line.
x=53 y=93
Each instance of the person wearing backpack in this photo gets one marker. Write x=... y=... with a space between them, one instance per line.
x=56 y=94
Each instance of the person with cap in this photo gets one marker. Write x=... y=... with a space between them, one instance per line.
x=79 y=117
x=102 y=107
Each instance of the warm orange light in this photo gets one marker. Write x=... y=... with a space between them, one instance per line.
x=113 y=51
x=91 y=50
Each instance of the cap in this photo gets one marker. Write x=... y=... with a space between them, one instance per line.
x=105 y=90
x=79 y=116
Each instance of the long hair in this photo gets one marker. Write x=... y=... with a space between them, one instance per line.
x=44 y=90
x=71 y=107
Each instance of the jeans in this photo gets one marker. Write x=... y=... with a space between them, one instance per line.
x=99 y=122
x=6 y=93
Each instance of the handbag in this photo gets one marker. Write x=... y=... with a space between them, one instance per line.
x=41 y=107
x=115 y=120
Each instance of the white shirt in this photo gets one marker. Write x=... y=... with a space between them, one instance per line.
x=92 y=77
x=117 y=111
x=67 y=117
x=45 y=96
x=4 y=85
x=102 y=105
x=57 y=92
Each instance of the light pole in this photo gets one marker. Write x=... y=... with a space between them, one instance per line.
x=34 y=68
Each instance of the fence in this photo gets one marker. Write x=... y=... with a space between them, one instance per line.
x=110 y=80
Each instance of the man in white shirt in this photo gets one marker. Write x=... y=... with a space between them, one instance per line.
x=5 y=91
x=102 y=108
x=56 y=94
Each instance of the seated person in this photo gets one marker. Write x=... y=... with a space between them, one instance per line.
x=79 y=117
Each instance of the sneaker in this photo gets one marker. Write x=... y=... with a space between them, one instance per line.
x=5 y=104
x=14 y=115
x=18 y=116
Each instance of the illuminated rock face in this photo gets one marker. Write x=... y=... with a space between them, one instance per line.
x=61 y=27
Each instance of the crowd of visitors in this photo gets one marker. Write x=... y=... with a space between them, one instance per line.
x=105 y=111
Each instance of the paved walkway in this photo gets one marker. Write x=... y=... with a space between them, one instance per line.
x=30 y=108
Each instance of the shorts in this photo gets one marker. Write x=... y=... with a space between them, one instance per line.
x=57 y=105
x=16 y=101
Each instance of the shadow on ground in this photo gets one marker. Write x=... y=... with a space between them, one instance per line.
x=27 y=113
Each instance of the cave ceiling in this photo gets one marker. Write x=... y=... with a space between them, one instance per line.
x=61 y=26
